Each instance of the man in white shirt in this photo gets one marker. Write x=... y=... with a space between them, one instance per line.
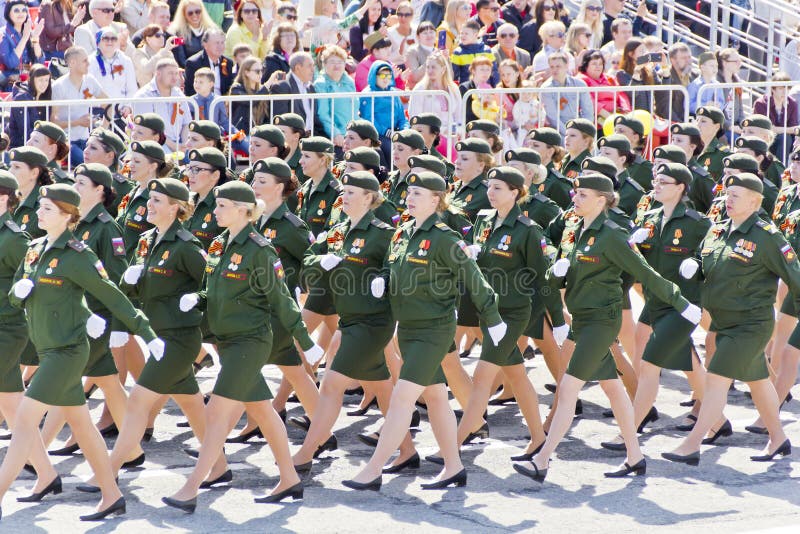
x=102 y=13
x=176 y=115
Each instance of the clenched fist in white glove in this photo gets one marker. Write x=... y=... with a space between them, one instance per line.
x=95 y=326
x=688 y=268
x=23 y=288
x=692 y=313
x=117 y=339
x=156 y=348
x=322 y=236
x=639 y=235
x=378 y=287
x=560 y=267
x=314 y=354
x=560 y=334
x=188 y=301
x=329 y=261
x=132 y=274
x=473 y=251
x=497 y=332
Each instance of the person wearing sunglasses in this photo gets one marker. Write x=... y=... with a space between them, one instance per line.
x=102 y=15
x=507 y=48
x=113 y=69
x=553 y=35
x=251 y=28
x=155 y=44
x=488 y=18
x=543 y=11
x=190 y=23
x=20 y=42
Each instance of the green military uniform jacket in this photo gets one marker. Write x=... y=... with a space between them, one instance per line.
x=202 y=224
x=363 y=249
x=539 y=208
x=470 y=198
x=712 y=157
x=294 y=163
x=60 y=176
x=290 y=236
x=788 y=201
x=25 y=214
x=702 y=188
x=630 y=193
x=571 y=167
x=56 y=309
x=13 y=245
x=385 y=211
x=395 y=188
x=556 y=187
x=132 y=218
x=122 y=186
x=641 y=170
x=774 y=173
x=314 y=206
x=424 y=267
x=244 y=284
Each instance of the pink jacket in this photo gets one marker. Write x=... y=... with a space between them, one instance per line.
x=611 y=101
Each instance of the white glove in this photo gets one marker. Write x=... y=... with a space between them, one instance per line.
x=473 y=251
x=188 y=301
x=117 y=339
x=157 y=348
x=322 y=236
x=95 y=326
x=23 y=288
x=329 y=261
x=688 y=268
x=297 y=293
x=692 y=313
x=560 y=334
x=314 y=354
x=639 y=235
x=560 y=267
x=497 y=332
x=378 y=287
x=132 y=274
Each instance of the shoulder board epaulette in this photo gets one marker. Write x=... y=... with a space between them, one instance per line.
x=259 y=239
x=74 y=244
x=540 y=197
x=486 y=212
x=118 y=177
x=485 y=182
x=699 y=170
x=767 y=227
x=380 y=224
x=336 y=184
x=635 y=184
x=611 y=224
x=13 y=226
x=294 y=219
x=618 y=211
x=184 y=234
x=768 y=183
x=692 y=214
x=525 y=220
x=104 y=217
x=442 y=226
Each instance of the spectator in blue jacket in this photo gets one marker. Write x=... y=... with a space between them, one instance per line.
x=471 y=47
x=565 y=106
x=38 y=87
x=19 y=46
x=709 y=67
x=335 y=113
x=385 y=112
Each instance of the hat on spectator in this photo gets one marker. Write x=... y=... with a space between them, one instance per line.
x=631 y=122
x=484 y=126
x=678 y=171
x=585 y=126
x=706 y=56
x=236 y=191
x=685 y=128
x=428 y=162
x=411 y=138
x=599 y=164
x=595 y=181
x=110 y=139
x=713 y=113
x=428 y=119
x=363 y=155
x=269 y=133
x=96 y=172
x=548 y=136
x=756 y=144
x=108 y=30
x=376 y=40
x=509 y=175
x=274 y=166
x=61 y=193
x=292 y=120
x=316 y=144
x=51 y=130
x=151 y=121
x=151 y=149
x=474 y=144
x=8 y=180
x=428 y=180
x=364 y=129
x=171 y=187
x=210 y=156
x=757 y=121
x=617 y=141
x=29 y=155
x=208 y=129
x=673 y=153
x=747 y=180
x=363 y=179
x=525 y=155
x=740 y=162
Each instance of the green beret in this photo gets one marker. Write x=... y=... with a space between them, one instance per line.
x=595 y=181
x=110 y=139
x=713 y=113
x=740 y=162
x=411 y=138
x=474 y=145
x=509 y=175
x=171 y=187
x=685 y=128
x=618 y=141
x=376 y=40
x=51 y=130
x=757 y=121
x=631 y=122
x=525 y=155
x=363 y=179
x=274 y=166
x=678 y=171
x=363 y=155
x=8 y=180
x=364 y=129
x=583 y=125
x=428 y=180
x=292 y=120
x=210 y=156
x=269 y=133
x=747 y=180
x=208 y=129
x=705 y=56
x=428 y=162
x=151 y=149
x=318 y=144
x=601 y=164
x=795 y=156
x=428 y=119
x=484 y=126
x=756 y=144
x=61 y=193
x=29 y=155
x=236 y=191
x=151 y=121
x=548 y=136
x=96 y=172
x=673 y=153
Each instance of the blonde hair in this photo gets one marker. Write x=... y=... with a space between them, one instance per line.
x=450 y=13
x=332 y=50
x=447 y=72
x=443 y=205
x=253 y=211
x=595 y=27
x=73 y=211
x=185 y=208
x=487 y=160
x=575 y=29
x=180 y=24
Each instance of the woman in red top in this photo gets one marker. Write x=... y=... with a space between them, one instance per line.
x=592 y=71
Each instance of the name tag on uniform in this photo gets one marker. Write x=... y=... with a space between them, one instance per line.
x=135 y=225
x=583 y=258
x=675 y=250
x=160 y=271
x=356 y=259
x=737 y=256
x=51 y=281
x=231 y=275
x=502 y=253
x=645 y=246
x=413 y=259
x=202 y=235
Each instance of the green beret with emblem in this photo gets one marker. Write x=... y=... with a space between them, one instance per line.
x=428 y=180
x=363 y=179
x=428 y=162
x=208 y=129
x=756 y=144
x=292 y=120
x=685 y=128
x=548 y=136
x=599 y=164
x=410 y=138
x=616 y=141
x=673 y=153
x=274 y=166
x=364 y=129
x=151 y=121
x=51 y=130
x=740 y=162
x=148 y=148
x=110 y=139
x=595 y=181
x=713 y=113
x=525 y=155
x=171 y=187
x=29 y=155
x=473 y=144
x=96 y=172
x=317 y=144
x=678 y=171
x=61 y=193
x=757 y=121
x=364 y=155
x=585 y=126
x=210 y=156
x=269 y=133
x=484 y=125
x=507 y=174
x=747 y=180
x=236 y=191
x=428 y=119
x=631 y=122
x=8 y=180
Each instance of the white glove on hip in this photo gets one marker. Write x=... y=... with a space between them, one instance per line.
x=117 y=339
x=156 y=348
x=188 y=301
x=378 y=287
x=329 y=261
x=639 y=235
x=497 y=332
x=95 y=326
x=322 y=236
x=473 y=251
x=688 y=268
x=692 y=313
x=23 y=288
x=560 y=334
x=132 y=274
x=560 y=267
x=314 y=354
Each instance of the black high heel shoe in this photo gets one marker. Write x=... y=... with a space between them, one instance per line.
x=502 y=402
x=757 y=429
x=69 y=450
x=688 y=459
x=725 y=430
x=784 y=450
x=368 y=439
x=303 y=422
x=186 y=506
x=411 y=463
x=109 y=432
x=651 y=417
x=303 y=468
x=295 y=492
x=687 y=427
x=244 y=438
x=639 y=468
x=528 y=456
x=54 y=487
x=536 y=474
x=224 y=478
x=482 y=433
x=331 y=444
x=613 y=445
x=118 y=508
x=136 y=462
x=458 y=480
x=363 y=411
x=373 y=485
x=148 y=434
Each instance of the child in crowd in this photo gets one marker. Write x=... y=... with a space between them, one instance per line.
x=526 y=115
x=385 y=112
x=204 y=80
x=471 y=47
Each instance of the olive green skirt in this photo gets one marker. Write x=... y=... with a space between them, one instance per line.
x=740 y=345
x=506 y=353
x=360 y=355
x=423 y=346
x=594 y=332
x=242 y=357
x=670 y=343
x=58 y=380
x=13 y=339
x=788 y=306
x=101 y=361
x=29 y=355
x=173 y=374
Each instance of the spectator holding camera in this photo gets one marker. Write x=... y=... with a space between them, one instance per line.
x=154 y=46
